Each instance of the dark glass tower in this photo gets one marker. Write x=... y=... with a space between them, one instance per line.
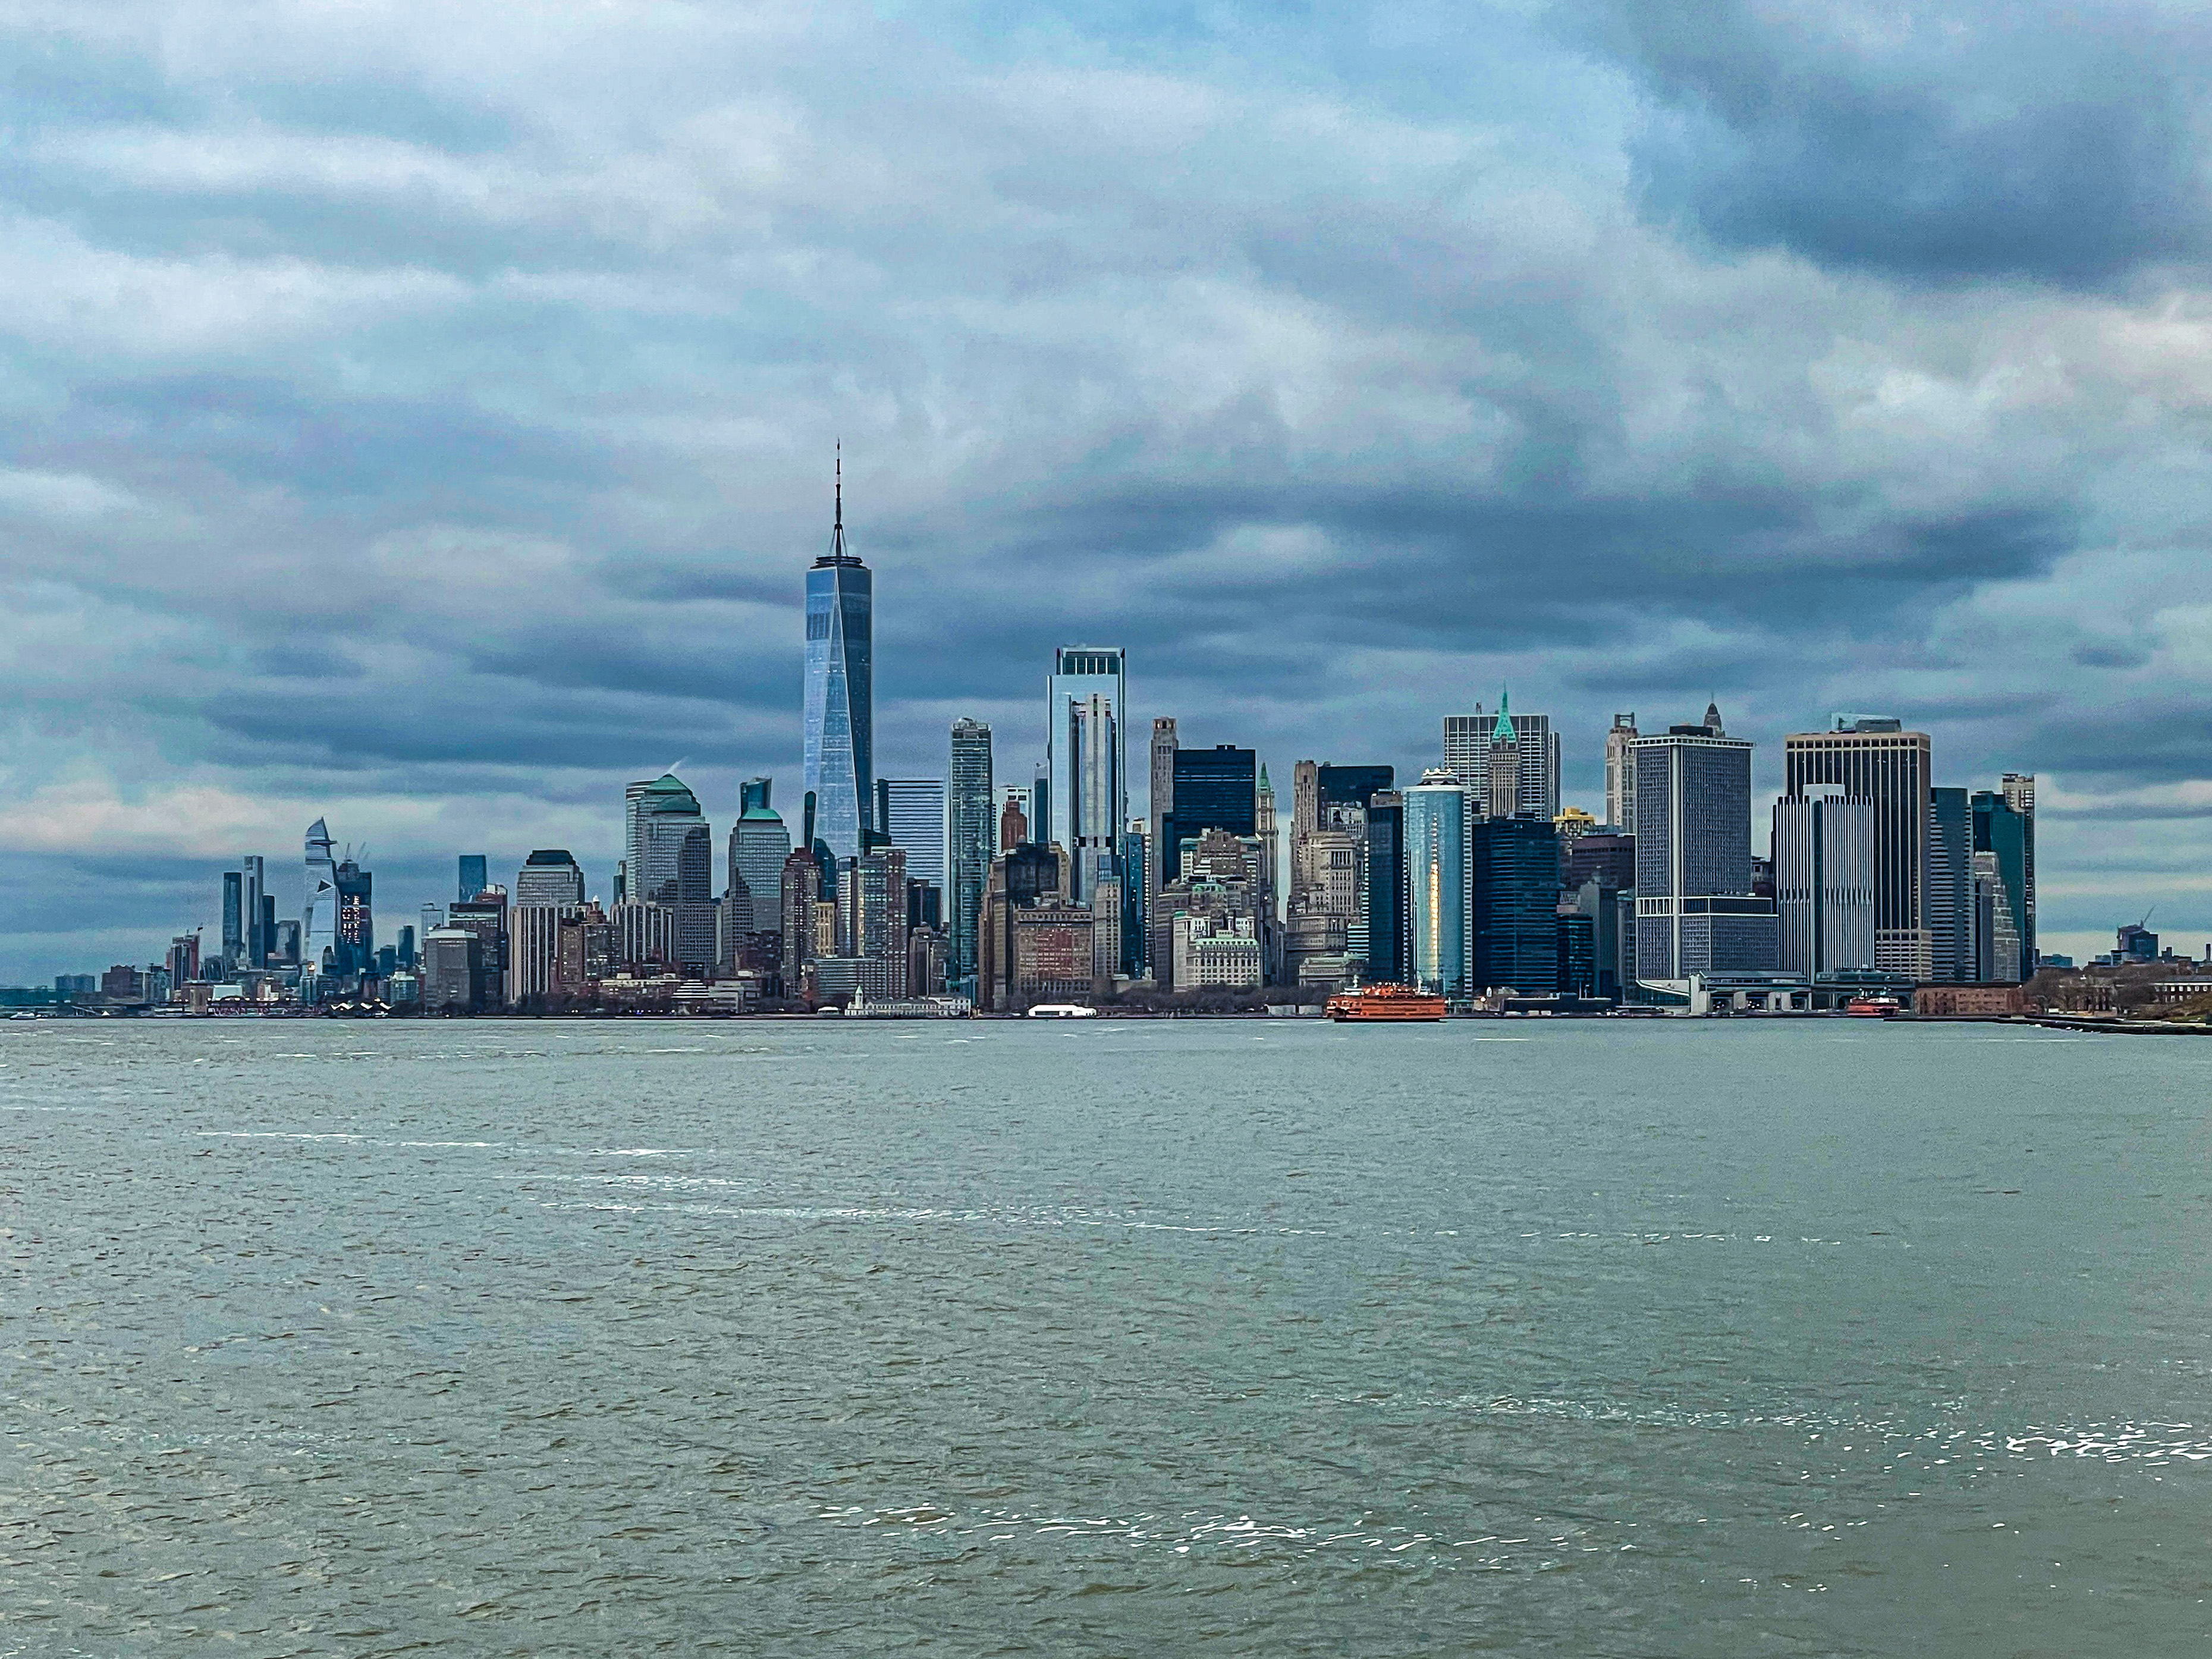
x=840 y=704
x=1386 y=887
x=1216 y=788
x=1514 y=867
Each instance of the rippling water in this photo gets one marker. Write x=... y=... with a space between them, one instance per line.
x=1222 y=1338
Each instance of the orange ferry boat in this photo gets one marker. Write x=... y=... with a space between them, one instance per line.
x=1385 y=1002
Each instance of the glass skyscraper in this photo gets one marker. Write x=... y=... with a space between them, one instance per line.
x=319 y=926
x=759 y=844
x=1695 y=911
x=670 y=862
x=971 y=840
x=1086 y=760
x=474 y=877
x=1436 y=885
x=1216 y=788
x=840 y=704
x=911 y=815
x=1515 y=880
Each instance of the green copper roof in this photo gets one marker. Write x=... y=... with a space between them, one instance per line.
x=1502 y=732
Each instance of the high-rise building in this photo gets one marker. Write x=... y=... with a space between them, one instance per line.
x=485 y=916
x=1136 y=864
x=1160 y=807
x=550 y=876
x=318 y=920
x=234 y=923
x=1216 y=788
x=670 y=861
x=534 y=933
x=356 y=920
x=802 y=891
x=2001 y=891
x=405 y=954
x=840 y=705
x=879 y=927
x=2019 y=791
x=1514 y=882
x=1620 y=774
x=1522 y=767
x=1872 y=757
x=1466 y=754
x=759 y=844
x=1823 y=853
x=452 y=970
x=1386 y=887
x=911 y=815
x=253 y=894
x=474 y=875
x=1437 y=954
x=1695 y=910
x=1948 y=888
x=1087 y=759
x=971 y=838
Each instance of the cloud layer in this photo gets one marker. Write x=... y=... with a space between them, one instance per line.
x=421 y=418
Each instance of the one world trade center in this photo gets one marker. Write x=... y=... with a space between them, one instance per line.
x=840 y=704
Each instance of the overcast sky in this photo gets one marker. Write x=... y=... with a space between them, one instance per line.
x=420 y=415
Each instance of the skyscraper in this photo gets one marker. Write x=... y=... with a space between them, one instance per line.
x=1467 y=753
x=253 y=893
x=2001 y=872
x=759 y=844
x=971 y=840
x=1947 y=887
x=475 y=875
x=910 y=816
x=1872 y=757
x=1823 y=853
x=1159 y=809
x=319 y=921
x=1620 y=774
x=550 y=876
x=1216 y=788
x=1514 y=885
x=669 y=860
x=1386 y=887
x=2019 y=791
x=233 y=919
x=840 y=705
x=1522 y=766
x=1086 y=760
x=356 y=923
x=1435 y=819
x=1695 y=912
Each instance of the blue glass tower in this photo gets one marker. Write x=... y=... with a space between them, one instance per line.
x=1434 y=828
x=840 y=703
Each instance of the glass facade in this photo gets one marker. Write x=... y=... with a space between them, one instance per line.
x=318 y=922
x=759 y=843
x=1515 y=871
x=1216 y=788
x=1386 y=890
x=910 y=813
x=670 y=861
x=1436 y=817
x=1086 y=762
x=475 y=875
x=971 y=840
x=839 y=760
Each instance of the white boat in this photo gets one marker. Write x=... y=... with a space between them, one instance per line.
x=1063 y=1011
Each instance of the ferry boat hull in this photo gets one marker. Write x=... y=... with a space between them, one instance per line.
x=1390 y=1005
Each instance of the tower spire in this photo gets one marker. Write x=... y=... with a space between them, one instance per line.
x=837 y=528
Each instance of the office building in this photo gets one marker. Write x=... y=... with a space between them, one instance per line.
x=1695 y=910
x=1160 y=808
x=1438 y=953
x=534 y=935
x=404 y=956
x=1086 y=762
x=1035 y=942
x=2000 y=836
x=1620 y=774
x=1220 y=880
x=668 y=861
x=2018 y=789
x=1522 y=773
x=1513 y=869
x=971 y=835
x=357 y=922
x=801 y=889
x=1216 y=788
x=1823 y=856
x=1386 y=887
x=1947 y=889
x=1136 y=883
x=254 y=909
x=234 y=923
x=760 y=841
x=1599 y=856
x=1466 y=754
x=474 y=875
x=452 y=970
x=646 y=933
x=485 y=916
x=878 y=923
x=841 y=707
x=319 y=918
x=550 y=876
x=911 y=815
x=1872 y=757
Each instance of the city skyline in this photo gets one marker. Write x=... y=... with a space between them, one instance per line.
x=431 y=453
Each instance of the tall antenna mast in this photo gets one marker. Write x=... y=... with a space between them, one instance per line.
x=837 y=530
